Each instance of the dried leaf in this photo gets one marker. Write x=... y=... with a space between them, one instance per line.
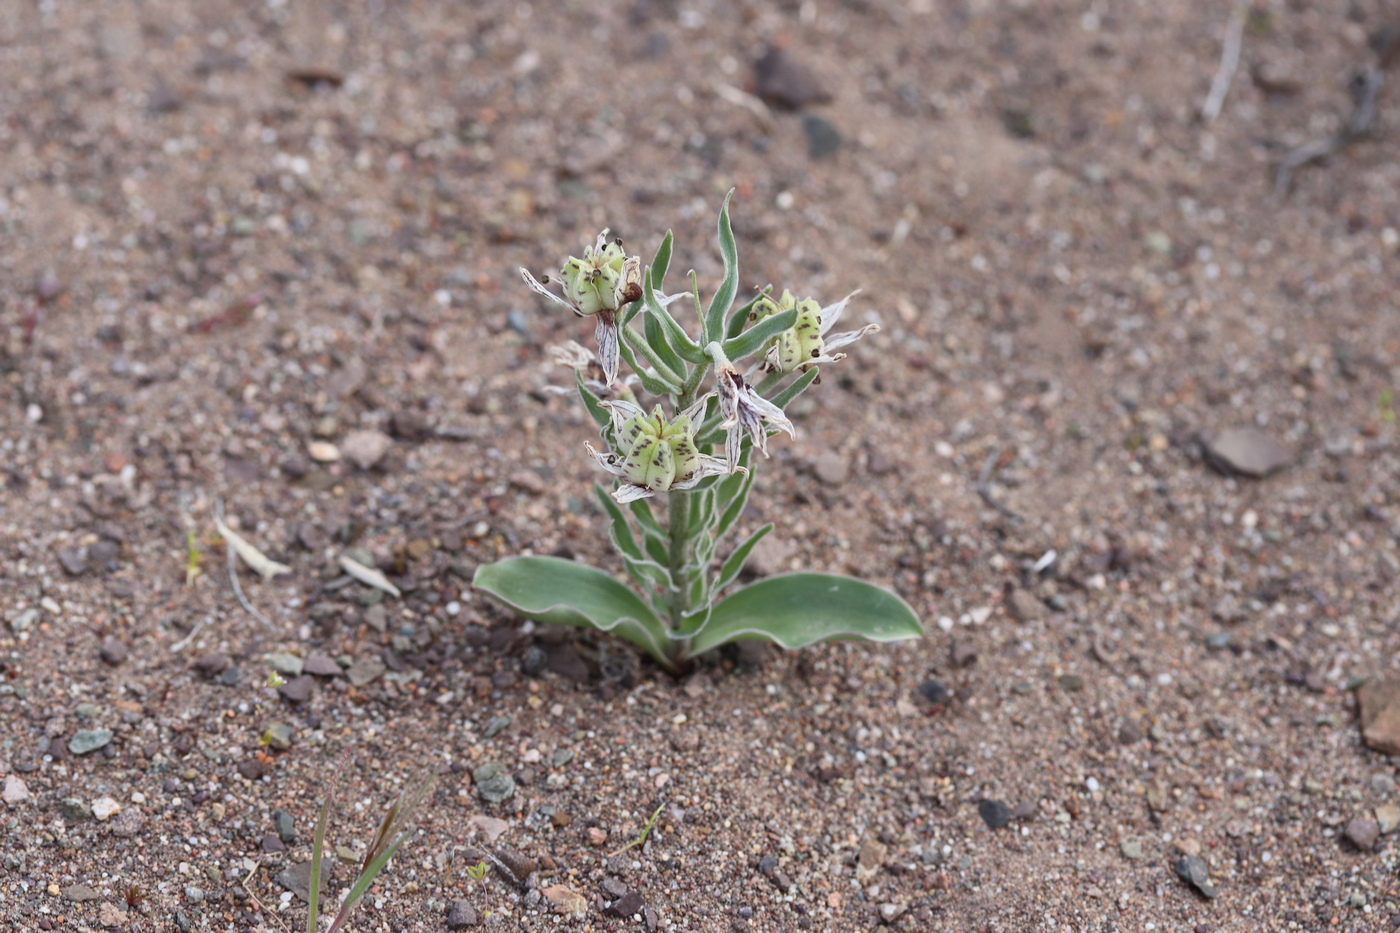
x=261 y=563
x=368 y=575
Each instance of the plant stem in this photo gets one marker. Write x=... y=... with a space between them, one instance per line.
x=678 y=527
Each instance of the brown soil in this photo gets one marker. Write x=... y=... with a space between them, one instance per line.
x=231 y=230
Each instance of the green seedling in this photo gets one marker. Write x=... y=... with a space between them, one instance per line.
x=393 y=832
x=478 y=871
x=642 y=839
x=1387 y=406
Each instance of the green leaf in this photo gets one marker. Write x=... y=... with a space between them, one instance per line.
x=799 y=609
x=734 y=563
x=735 y=327
x=591 y=401
x=641 y=511
x=734 y=497
x=799 y=385
x=676 y=334
x=652 y=384
x=624 y=540
x=702 y=511
x=729 y=286
x=640 y=344
x=661 y=262
x=563 y=592
x=646 y=572
x=753 y=339
x=656 y=338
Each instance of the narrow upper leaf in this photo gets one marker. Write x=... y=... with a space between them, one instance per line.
x=729 y=286
x=753 y=339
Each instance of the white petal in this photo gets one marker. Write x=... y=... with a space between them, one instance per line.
x=628 y=493
x=603 y=461
x=836 y=341
x=695 y=411
x=602 y=241
x=769 y=412
x=622 y=412
x=605 y=332
x=733 y=438
x=665 y=300
x=536 y=287
x=709 y=466
x=831 y=313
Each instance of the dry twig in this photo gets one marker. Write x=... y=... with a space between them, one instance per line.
x=1365 y=89
x=1229 y=61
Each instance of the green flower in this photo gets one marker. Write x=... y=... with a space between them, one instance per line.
x=597 y=285
x=809 y=342
x=653 y=454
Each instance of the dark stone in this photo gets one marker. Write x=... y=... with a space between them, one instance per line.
x=213 y=664
x=286 y=830
x=113 y=652
x=1130 y=733
x=103 y=553
x=784 y=83
x=252 y=769
x=1193 y=870
x=515 y=866
x=823 y=139
x=626 y=905
x=231 y=677
x=564 y=661
x=271 y=844
x=534 y=660
x=614 y=887
x=298 y=689
x=461 y=916
x=934 y=691
x=994 y=813
x=297 y=878
x=767 y=866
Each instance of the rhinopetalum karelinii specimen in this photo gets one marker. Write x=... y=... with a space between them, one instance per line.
x=692 y=445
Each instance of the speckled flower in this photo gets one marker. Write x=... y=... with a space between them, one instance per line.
x=809 y=342
x=653 y=454
x=597 y=285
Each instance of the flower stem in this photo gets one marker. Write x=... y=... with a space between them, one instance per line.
x=679 y=525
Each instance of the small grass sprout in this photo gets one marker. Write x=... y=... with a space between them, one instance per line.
x=394 y=830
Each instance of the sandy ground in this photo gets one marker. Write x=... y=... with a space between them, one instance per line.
x=231 y=231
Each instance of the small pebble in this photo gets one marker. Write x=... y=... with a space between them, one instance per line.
x=1363 y=833
x=89 y=740
x=461 y=916
x=1194 y=870
x=994 y=813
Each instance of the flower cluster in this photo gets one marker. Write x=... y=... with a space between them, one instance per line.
x=649 y=453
